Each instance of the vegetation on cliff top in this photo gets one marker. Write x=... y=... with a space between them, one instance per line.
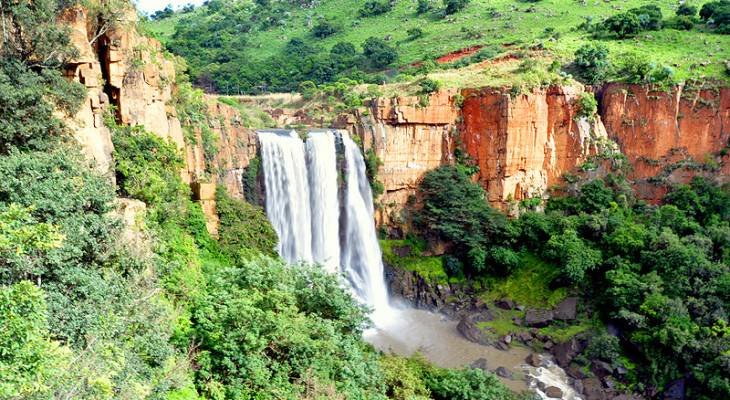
x=273 y=46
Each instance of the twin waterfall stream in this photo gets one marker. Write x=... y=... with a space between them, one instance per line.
x=319 y=201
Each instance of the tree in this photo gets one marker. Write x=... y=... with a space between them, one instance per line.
x=454 y=6
x=372 y=8
x=31 y=365
x=378 y=52
x=687 y=10
x=592 y=62
x=576 y=256
x=325 y=28
x=243 y=226
x=623 y=25
x=423 y=6
x=650 y=17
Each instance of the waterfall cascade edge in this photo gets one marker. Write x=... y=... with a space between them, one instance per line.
x=319 y=201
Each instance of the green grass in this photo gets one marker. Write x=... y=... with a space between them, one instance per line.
x=529 y=285
x=429 y=267
x=251 y=115
x=499 y=25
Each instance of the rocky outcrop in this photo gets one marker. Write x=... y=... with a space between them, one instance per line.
x=410 y=139
x=668 y=135
x=130 y=72
x=523 y=144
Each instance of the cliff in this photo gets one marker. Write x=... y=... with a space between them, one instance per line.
x=131 y=72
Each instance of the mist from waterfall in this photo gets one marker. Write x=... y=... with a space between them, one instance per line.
x=319 y=201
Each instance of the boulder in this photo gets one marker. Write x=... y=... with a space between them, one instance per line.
x=567 y=309
x=538 y=318
x=505 y=304
x=601 y=369
x=565 y=352
x=534 y=360
x=504 y=373
x=593 y=390
x=524 y=336
x=502 y=346
x=480 y=364
x=468 y=328
x=553 y=392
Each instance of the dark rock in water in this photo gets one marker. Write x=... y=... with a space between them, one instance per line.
x=502 y=346
x=601 y=369
x=504 y=373
x=480 y=364
x=505 y=304
x=538 y=318
x=565 y=352
x=541 y=385
x=554 y=392
x=567 y=309
x=675 y=390
x=533 y=359
x=468 y=328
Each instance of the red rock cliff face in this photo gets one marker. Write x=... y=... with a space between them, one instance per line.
x=660 y=130
x=523 y=144
x=410 y=140
x=140 y=84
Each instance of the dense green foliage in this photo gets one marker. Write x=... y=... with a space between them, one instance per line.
x=243 y=225
x=660 y=273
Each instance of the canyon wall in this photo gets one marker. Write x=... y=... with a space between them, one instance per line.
x=669 y=135
x=131 y=72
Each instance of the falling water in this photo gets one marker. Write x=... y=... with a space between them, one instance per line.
x=362 y=261
x=302 y=195
x=325 y=209
x=287 y=193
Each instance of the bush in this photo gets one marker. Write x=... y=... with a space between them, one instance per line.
x=423 y=6
x=243 y=227
x=708 y=10
x=682 y=23
x=375 y=7
x=592 y=62
x=414 y=33
x=587 y=105
x=378 y=52
x=687 y=10
x=324 y=29
x=650 y=17
x=466 y=384
x=454 y=6
x=429 y=86
x=623 y=25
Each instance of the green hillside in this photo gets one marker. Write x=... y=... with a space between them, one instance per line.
x=242 y=42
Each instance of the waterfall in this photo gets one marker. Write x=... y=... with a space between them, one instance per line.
x=322 y=164
x=287 y=193
x=362 y=260
x=302 y=184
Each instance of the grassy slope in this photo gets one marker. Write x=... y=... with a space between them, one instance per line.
x=515 y=26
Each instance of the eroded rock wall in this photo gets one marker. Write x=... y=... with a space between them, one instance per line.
x=668 y=135
x=410 y=139
x=523 y=144
x=130 y=72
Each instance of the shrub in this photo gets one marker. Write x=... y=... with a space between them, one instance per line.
x=414 y=33
x=587 y=105
x=423 y=6
x=650 y=17
x=466 y=384
x=592 y=62
x=324 y=29
x=682 y=23
x=375 y=7
x=623 y=25
x=243 y=226
x=687 y=10
x=454 y=6
x=378 y=52
x=429 y=86
x=708 y=10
